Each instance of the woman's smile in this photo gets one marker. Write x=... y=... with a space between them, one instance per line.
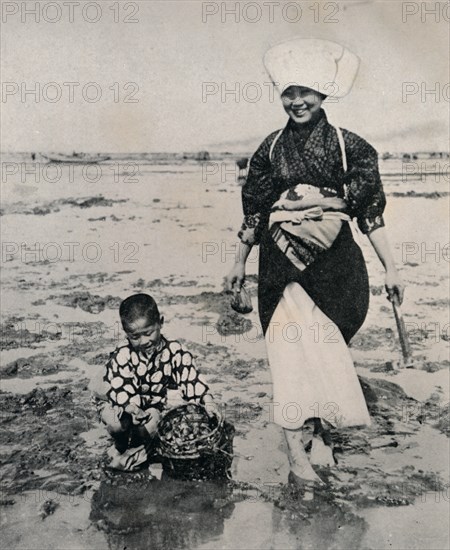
x=299 y=111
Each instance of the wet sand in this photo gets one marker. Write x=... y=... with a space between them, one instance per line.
x=171 y=234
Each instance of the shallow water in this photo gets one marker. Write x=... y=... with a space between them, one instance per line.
x=183 y=516
x=425 y=524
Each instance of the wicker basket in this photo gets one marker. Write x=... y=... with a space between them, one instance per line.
x=187 y=431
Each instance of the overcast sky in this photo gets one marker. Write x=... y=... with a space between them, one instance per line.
x=175 y=51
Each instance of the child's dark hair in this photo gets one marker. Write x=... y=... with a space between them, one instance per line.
x=139 y=305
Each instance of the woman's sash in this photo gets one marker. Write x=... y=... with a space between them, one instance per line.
x=303 y=234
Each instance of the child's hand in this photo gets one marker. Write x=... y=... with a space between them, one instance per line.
x=136 y=412
x=211 y=408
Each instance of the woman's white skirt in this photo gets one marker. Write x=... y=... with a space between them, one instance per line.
x=312 y=370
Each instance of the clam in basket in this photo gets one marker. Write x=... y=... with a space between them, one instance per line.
x=194 y=445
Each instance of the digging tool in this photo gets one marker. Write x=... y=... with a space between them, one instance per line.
x=402 y=334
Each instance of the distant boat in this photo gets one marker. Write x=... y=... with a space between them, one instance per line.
x=75 y=158
x=202 y=155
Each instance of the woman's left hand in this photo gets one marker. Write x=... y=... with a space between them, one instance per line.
x=395 y=287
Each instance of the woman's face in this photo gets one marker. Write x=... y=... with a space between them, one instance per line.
x=301 y=104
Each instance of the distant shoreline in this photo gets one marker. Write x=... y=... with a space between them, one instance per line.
x=215 y=155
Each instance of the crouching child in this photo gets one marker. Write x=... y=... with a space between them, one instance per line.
x=136 y=380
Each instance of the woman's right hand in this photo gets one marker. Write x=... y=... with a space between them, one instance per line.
x=235 y=278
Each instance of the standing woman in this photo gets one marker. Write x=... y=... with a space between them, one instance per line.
x=305 y=183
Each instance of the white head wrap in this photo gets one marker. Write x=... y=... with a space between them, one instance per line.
x=324 y=66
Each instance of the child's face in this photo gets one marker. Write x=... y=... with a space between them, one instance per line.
x=144 y=335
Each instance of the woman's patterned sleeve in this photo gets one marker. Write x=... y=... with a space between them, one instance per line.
x=257 y=194
x=187 y=377
x=248 y=234
x=364 y=191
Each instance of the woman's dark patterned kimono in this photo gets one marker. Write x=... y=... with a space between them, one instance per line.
x=336 y=279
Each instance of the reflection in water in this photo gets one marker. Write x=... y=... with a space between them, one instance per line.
x=326 y=524
x=161 y=514
x=140 y=514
